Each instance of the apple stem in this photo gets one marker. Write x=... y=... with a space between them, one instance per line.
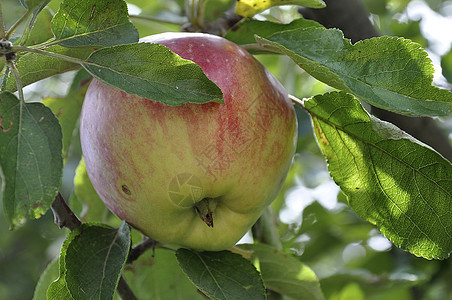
x=205 y=209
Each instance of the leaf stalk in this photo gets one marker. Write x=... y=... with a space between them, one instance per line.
x=16 y=75
x=2 y=24
x=48 y=53
x=13 y=28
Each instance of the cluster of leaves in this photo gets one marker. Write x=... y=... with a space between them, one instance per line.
x=391 y=180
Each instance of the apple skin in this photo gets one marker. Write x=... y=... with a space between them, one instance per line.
x=150 y=162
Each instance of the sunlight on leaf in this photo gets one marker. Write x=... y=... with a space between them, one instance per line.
x=94 y=210
x=93 y=23
x=391 y=180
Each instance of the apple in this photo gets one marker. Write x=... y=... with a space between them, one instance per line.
x=195 y=175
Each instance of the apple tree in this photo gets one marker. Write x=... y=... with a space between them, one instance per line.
x=365 y=211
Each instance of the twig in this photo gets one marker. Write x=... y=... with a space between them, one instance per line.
x=63 y=215
x=218 y=27
x=146 y=244
x=124 y=290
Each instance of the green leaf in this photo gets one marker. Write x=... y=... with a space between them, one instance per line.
x=38 y=29
x=249 y=8
x=84 y=192
x=222 y=275
x=34 y=67
x=91 y=262
x=49 y=275
x=152 y=71
x=390 y=179
x=67 y=110
x=93 y=23
x=243 y=32
x=160 y=277
x=388 y=72
x=30 y=158
x=95 y=260
x=80 y=81
x=58 y=289
x=284 y=273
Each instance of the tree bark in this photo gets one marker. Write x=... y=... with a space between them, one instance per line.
x=352 y=18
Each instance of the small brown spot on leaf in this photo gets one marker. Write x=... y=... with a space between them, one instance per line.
x=3 y=127
x=321 y=136
x=60 y=111
x=92 y=12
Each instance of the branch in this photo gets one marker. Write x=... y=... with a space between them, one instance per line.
x=218 y=27
x=124 y=290
x=64 y=216
x=146 y=244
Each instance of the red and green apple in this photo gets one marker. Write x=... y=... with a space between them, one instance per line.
x=195 y=175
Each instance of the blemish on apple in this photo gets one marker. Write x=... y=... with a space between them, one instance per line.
x=125 y=189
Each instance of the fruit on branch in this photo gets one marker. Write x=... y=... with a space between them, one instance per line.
x=196 y=175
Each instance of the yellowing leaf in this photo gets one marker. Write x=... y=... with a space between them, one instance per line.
x=248 y=8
